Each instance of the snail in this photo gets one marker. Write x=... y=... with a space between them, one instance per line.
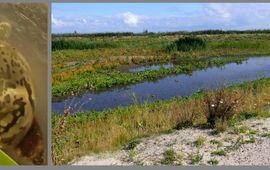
x=20 y=135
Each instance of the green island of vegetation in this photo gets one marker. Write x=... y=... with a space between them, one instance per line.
x=92 y=61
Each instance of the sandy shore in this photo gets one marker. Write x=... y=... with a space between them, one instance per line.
x=246 y=144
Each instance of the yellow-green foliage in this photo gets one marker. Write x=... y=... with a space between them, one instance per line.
x=126 y=50
x=111 y=130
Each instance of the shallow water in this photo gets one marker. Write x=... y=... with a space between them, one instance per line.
x=165 y=88
x=137 y=68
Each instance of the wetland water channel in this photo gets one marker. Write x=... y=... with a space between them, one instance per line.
x=168 y=87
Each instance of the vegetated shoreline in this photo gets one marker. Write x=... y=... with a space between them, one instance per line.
x=106 y=53
x=96 y=132
x=106 y=79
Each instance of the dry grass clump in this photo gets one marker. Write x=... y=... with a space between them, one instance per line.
x=94 y=132
x=221 y=106
x=82 y=135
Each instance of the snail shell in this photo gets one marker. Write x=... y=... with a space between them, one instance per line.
x=16 y=93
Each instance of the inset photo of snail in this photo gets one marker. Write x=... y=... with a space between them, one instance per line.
x=23 y=83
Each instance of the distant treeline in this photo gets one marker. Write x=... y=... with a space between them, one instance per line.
x=61 y=41
x=111 y=34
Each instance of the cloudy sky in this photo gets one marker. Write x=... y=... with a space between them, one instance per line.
x=157 y=17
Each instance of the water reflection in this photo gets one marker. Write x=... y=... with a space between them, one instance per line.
x=179 y=85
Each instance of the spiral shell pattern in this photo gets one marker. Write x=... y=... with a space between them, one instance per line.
x=16 y=96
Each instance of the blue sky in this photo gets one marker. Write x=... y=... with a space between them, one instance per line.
x=157 y=17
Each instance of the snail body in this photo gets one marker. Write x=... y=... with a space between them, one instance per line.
x=17 y=101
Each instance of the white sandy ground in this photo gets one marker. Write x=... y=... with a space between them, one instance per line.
x=150 y=150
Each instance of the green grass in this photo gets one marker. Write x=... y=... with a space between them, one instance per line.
x=169 y=157
x=159 y=34
x=216 y=142
x=104 y=79
x=130 y=40
x=213 y=162
x=131 y=155
x=219 y=152
x=138 y=45
x=242 y=44
x=98 y=53
x=240 y=129
x=253 y=132
x=250 y=140
x=199 y=142
x=195 y=159
x=97 y=58
x=80 y=43
x=132 y=144
x=113 y=129
x=266 y=135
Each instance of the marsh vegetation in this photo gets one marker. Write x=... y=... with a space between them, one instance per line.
x=91 y=66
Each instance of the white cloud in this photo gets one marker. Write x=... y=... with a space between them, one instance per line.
x=57 y=22
x=210 y=16
x=84 y=21
x=220 y=10
x=130 y=19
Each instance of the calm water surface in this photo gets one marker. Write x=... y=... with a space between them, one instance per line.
x=165 y=88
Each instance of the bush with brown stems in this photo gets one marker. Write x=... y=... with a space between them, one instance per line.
x=221 y=106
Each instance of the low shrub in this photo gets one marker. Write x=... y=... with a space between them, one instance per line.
x=186 y=44
x=220 y=107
